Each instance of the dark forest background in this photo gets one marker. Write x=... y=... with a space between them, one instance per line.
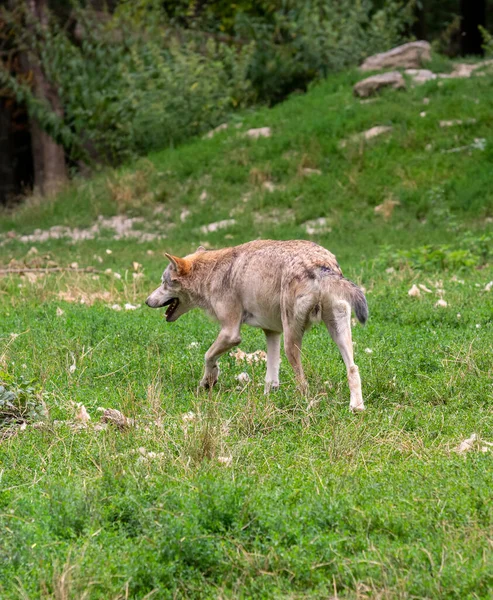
x=86 y=84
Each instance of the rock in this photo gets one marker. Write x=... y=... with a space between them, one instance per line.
x=464 y=70
x=376 y=131
x=467 y=445
x=478 y=144
x=407 y=56
x=257 y=133
x=453 y=122
x=372 y=84
x=420 y=75
x=269 y=186
x=185 y=213
x=317 y=226
x=115 y=417
x=218 y=225
x=308 y=171
x=367 y=135
x=217 y=129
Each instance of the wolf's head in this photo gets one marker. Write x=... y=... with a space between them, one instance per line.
x=173 y=290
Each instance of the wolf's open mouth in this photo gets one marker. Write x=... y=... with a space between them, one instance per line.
x=173 y=305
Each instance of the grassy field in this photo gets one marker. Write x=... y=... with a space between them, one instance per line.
x=233 y=494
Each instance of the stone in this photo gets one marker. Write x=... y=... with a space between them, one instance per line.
x=115 y=417
x=211 y=227
x=370 y=85
x=465 y=70
x=369 y=134
x=258 y=133
x=317 y=226
x=453 y=122
x=420 y=75
x=217 y=129
x=408 y=56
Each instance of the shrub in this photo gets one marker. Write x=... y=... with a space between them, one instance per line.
x=127 y=87
x=487 y=42
x=20 y=400
x=303 y=41
x=471 y=251
x=135 y=81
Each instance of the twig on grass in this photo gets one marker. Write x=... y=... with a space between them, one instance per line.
x=47 y=270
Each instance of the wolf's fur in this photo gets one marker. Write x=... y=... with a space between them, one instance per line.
x=281 y=287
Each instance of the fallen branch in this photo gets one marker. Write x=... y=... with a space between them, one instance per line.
x=47 y=270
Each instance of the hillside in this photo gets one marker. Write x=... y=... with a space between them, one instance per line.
x=232 y=493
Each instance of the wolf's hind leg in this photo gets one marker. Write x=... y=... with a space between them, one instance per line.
x=337 y=318
x=273 y=360
x=228 y=338
x=293 y=337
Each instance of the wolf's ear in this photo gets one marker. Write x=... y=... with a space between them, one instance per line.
x=200 y=249
x=180 y=265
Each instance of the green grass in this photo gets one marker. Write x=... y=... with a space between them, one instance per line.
x=310 y=503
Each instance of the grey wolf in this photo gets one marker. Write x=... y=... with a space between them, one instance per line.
x=279 y=286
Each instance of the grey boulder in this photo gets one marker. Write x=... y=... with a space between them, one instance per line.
x=372 y=84
x=408 y=56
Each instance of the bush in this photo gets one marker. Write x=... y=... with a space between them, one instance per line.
x=20 y=400
x=129 y=87
x=472 y=251
x=135 y=81
x=487 y=42
x=304 y=41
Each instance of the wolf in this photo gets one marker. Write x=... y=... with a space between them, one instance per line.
x=279 y=286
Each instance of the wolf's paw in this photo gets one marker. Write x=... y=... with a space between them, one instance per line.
x=302 y=387
x=210 y=378
x=271 y=386
x=357 y=407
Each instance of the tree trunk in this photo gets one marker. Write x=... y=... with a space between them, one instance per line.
x=7 y=186
x=50 y=170
x=473 y=14
x=419 y=27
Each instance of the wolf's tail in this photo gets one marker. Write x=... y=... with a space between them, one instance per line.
x=356 y=298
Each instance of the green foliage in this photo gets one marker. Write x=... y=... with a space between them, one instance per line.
x=124 y=93
x=300 y=42
x=471 y=251
x=487 y=41
x=136 y=81
x=21 y=399
x=184 y=91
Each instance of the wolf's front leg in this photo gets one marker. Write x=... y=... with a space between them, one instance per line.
x=228 y=338
x=273 y=360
